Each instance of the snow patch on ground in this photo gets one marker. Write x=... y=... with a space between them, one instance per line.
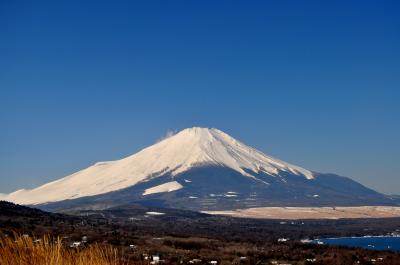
x=166 y=187
x=154 y=213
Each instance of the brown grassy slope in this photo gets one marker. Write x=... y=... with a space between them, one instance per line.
x=27 y=251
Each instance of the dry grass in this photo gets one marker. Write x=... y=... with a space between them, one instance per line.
x=295 y=213
x=46 y=251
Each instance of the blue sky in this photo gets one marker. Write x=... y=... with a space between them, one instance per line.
x=315 y=83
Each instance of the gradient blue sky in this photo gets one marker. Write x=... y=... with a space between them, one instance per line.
x=315 y=83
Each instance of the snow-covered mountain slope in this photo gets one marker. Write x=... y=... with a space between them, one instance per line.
x=198 y=169
x=175 y=155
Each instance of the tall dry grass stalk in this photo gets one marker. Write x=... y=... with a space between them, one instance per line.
x=46 y=251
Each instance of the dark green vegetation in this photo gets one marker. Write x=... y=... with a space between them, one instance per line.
x=184 y=235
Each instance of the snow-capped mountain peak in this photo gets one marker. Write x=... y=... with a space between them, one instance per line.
x=189 y=148
x=203 y=146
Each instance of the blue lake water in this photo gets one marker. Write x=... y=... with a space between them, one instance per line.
x=377 y=243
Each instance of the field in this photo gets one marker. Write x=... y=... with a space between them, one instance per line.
x=26 y=250
x=295 y=213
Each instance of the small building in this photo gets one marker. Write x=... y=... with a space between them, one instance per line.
x=75 y=244
x=155 y=259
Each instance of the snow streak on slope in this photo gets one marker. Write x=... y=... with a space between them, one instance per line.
x=187 y=149
x=166 y=187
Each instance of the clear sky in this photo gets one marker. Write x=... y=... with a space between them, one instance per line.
x=314 y=83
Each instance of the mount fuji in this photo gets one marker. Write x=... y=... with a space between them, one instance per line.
x=198 y=169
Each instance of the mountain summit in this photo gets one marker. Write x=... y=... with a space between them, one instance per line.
x=202 y=166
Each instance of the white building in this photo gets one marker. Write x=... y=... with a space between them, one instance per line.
x=75 y=244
